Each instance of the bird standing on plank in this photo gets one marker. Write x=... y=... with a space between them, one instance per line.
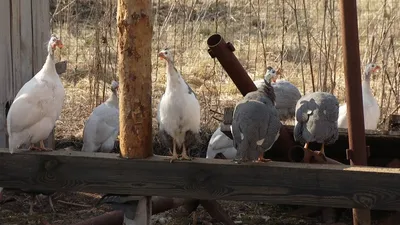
x=37 y=106
x=102 y=127
x=256 y=124
x=370 y=104
x=316 y=119
x=178 y=112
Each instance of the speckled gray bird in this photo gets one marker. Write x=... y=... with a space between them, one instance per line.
x=256 y=124
x=316 y=119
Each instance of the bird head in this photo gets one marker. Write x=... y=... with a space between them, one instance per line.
x=115 y=87
x=271 y=74
x=54 y=42
x=166 y=54
x=370 y=69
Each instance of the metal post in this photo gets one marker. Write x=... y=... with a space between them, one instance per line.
x=351 y=59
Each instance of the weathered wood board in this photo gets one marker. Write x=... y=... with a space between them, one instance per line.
x=274 y=182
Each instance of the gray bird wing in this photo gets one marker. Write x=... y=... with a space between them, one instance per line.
x=302 y=116
x=287 y=96
x=250 y=128
x=273 y=128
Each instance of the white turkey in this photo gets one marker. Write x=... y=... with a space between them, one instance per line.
x=178 y=113
x=102 y=127
x=370 y=104
x=37 y=106
x=286 y=94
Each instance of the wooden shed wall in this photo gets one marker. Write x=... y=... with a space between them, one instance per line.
x=25 y=26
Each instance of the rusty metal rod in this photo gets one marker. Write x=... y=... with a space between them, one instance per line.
x=223 y=51
x=355 y=114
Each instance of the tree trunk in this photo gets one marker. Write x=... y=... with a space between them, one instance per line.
x=134 y=28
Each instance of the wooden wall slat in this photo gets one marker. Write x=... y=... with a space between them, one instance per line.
x=5 y=66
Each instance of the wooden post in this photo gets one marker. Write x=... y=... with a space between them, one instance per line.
x=135 y=30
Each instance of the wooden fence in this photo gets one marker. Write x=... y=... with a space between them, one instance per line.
x=25 y=26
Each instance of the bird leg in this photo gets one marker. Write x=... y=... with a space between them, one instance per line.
x=174 y=154
x=51 y=204
x=322 y=152
x=306 y=146
x=261 y=158
x=31 y=203
x=184 y=154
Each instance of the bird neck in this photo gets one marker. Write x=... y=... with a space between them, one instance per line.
x=174 y=79
x=268 y=90
x=50 y=66
x=113 y=99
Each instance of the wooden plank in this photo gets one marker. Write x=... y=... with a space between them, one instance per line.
x=338 y=186
x=5 y=67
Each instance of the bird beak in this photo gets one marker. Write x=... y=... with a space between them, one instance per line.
x=274 y=79
x=376 y=69
x=58 y=43
x=161 y=55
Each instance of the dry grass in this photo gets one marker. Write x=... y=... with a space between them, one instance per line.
x=279 y=33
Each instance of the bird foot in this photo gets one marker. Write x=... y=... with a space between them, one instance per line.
x=263 y=160
x=322 y=155
x=34 y=148
x=185 y=157
x=173 y=157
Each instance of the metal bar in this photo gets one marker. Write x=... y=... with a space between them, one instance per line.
x=355 y=114
x=223 y=51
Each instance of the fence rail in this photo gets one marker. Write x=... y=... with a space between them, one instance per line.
x=274 y=182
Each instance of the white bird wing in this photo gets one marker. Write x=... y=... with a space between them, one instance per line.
x=29 y=105
x=342 y=119
x=219 y=141
x=102 y=124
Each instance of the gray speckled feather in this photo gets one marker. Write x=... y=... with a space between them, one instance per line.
x=316 y=118
x=256 y=124
x=287 y=96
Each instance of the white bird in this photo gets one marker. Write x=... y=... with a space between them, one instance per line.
x=178 y=113
x=286 y=94
x=220 y=144
x=370 y=104
x=102 y=127
x=37 y=106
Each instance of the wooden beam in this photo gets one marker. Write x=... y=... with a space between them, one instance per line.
x=338 y=186
x=134 y=29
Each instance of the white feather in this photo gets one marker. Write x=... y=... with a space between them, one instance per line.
x=220 y=143
x=179 y=110
x=35 y=109
x=102 y=127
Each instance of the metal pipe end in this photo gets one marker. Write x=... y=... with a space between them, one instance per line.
x=296 y=153
x=214 y=40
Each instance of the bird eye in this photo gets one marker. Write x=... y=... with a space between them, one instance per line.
x=166 y=53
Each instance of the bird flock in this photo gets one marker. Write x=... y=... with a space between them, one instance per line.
x=257 y=118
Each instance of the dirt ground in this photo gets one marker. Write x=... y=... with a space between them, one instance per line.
x=75 y=207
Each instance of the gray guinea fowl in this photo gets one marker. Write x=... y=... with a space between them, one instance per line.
x=316 y=119
x=256 y=124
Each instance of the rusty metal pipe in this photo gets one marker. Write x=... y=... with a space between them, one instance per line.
x=223 y=51
x=355 y=115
